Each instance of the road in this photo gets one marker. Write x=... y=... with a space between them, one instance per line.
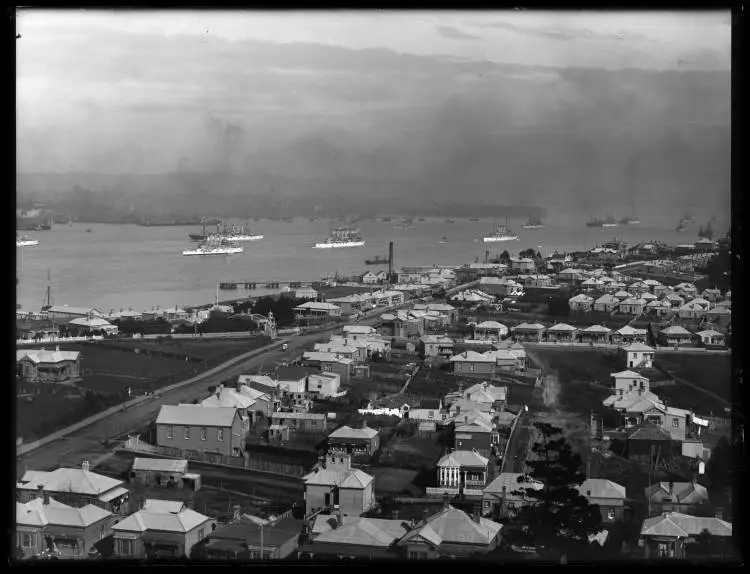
x=88 y=443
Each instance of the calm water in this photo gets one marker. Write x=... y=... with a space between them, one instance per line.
x=128 y=266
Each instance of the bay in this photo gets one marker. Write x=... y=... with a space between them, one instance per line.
x=133 y=267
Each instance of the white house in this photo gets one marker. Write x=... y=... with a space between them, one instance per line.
x=629 y=381
x=637 y=355
x=581 y=302
x=606 y=303
x=632 y=306
x=306 y=293
x=316 y=309
x=491 y=331
x=369 y=278
x=323 y=384
x=522 y=264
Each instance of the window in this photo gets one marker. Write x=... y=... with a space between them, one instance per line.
x=170 y=431
x=187 y=433
x=124 y=547
x=417 y=555
x=266 y=555
x=675 y=422
x=220 y=434
x=204 y=433
x=26 y=540
x=471 y=367
x=200 y=534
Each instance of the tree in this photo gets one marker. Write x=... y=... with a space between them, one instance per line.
x=504 y=257
x=559 y=520
x=720 y=464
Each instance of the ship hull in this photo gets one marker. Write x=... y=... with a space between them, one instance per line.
x=27 y=243
x=534 y=226
x=339 y=245
x=377 y=262
x=222 y=251
x=609 y=224
x=497 y=239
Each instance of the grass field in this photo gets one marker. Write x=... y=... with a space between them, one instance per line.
x=199 y=348
x=709 y=372
x=37 y=418
x=392 y=480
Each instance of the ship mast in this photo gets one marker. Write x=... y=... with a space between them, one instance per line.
x=47 y=301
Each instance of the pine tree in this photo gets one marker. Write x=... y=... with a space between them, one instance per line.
x=559 y=519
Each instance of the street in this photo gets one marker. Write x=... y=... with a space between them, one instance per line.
x=88 y=443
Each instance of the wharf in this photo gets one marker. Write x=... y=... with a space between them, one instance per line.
x=263 y=284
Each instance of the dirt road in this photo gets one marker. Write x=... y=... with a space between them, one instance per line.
x=88 y=443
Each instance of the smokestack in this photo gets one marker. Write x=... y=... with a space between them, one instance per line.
x=390 y=260
x=394 y=514
x=45 y=498
x=476 y=515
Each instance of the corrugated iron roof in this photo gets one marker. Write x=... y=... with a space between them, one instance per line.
x=196 y=415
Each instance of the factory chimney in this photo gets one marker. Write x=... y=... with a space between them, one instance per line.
x=390 y=260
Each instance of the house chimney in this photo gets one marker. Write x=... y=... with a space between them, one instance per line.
x=394 y=514
x=85 y=466
x=476 y=515
x=671 y=487
x=45 y=498
x=446 y=501
x=40 y=490
x=719 y=513
x=339 y=517
x=236 y=512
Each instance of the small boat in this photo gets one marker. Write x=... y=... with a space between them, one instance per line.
x=534 y=223
x=89 y=230
x=449 y=220
x=474 y=219
x=596 y=222
x=385 y=219
x=377 y=261
x=421 y=219
x=443 y=240
x=681 y=226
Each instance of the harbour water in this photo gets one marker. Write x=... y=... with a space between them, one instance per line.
x=129 y=266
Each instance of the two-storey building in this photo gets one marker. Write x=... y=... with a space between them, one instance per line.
x=187 y=430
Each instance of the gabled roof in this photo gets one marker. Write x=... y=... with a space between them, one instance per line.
x=373 y=532
x=473 y=357
x=164 y=516
x=709 y=333
x=581 y=297
x=530 y=326
x=38 y=356
x=622 y=294
x=36 y=513
x=628 y=330
x=466 y=405
x=649 y=432
x=73 y=480
x=460 y=458
x=352 y=433
x=682 y=492
x=353 y=478
x=607 y=299
x=602 y=488
x=627 y=375
x=358 y=329
x=632 y=301
x=491 y=325
x=196 y=415
x=675 y=330
x=229 y=398
x=675 y=524
x=639 y=347
x=93 y=322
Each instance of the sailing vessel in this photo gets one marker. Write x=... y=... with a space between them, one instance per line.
x=405 y=223
x=681 y=226
x=449 y=220
x=687 y=218
x=385 y=219
x=344 y=236
x=534 y=223
x=633 y=174
x=596 y=222
x=501 y=233
x=377 y=261
x=443 y=239
x=26 y=241
x=215 y=246
x=609 y=222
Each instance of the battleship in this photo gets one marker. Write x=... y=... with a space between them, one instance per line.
x=501 y=233
x=344 y=236
x=534 y=223
x=215 y=246
x=233 y=233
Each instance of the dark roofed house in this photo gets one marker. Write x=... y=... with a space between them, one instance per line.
x=677 y=496
x=249 y=538
x=647 y=441
x=670 y=535
x=363 y=440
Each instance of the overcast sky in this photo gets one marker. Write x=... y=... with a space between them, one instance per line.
x=149 y=91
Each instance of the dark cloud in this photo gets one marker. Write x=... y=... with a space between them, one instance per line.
x=454 y=33
x=563 y=34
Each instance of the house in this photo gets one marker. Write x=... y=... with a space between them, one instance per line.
x=350 y=304
x=463 y=406
x=249 y=538
x=193 y=429
x=76 y=487
x=317 y=309
x=165 y=472
x=336 y=484
x=301 y=422
x=646 y=442
x=629 y=381
x=719 y=315
x=443 y=308
x=88 y=325
x=591 y=285
x=562 y=332
x=338 y=536
x=691 y=310
x=606 y=303
x=675 y=335
x=462 y=471
x=531 y=332
x=506 y=360
x=581 y=302
x=711 y=338
x=359 y=441
x=671 y=419
x=609 y=495
x=473 y=363
x=506 y=494
x=425 y=410
x=637 y=288
x=66 y=312
x=161 y=529
x=595 y=334
x=229 y=398
x=490 y=331
x=648 y=297
x=369 y=278
x=632 y=306
x=621 y=295
x=38 y=365
x=687 y=497
x=628 y=334
x=686 y=290
x=674 y=300
x=658 y=308
x=323 y=384
x=514 y=347
x=636 y=355
x=292 y=379
x=522 y=264
x=46 y=527
x=435 y=346
x=306 y=293
x=451 y=533
x=478 y=436
x=538 y=281
x=263 y=401
x=485 y=393
x=670 y=534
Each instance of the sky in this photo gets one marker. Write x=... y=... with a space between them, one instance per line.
x=342 y=93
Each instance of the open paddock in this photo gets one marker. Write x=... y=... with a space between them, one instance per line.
x=202 y=349
x=392 y=480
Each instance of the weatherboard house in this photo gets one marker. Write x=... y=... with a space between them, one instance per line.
x=189 y=430
x=47 y=366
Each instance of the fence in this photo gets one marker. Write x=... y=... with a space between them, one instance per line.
x=230 y=335
x=58 y=340
x=28 y=447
